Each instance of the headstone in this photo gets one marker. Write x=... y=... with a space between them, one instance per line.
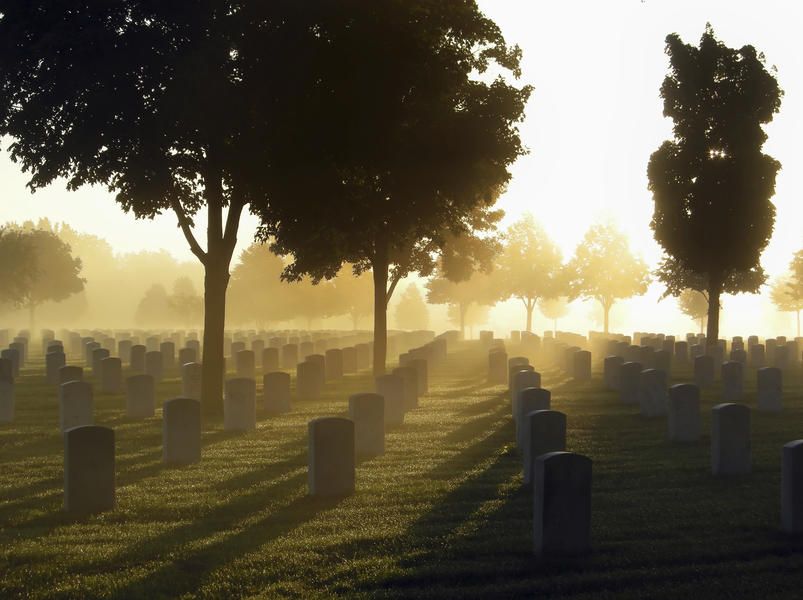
x=530 y=400
x=684 y=413
x=181 y=431
x=653 y=397
x=704 y=371
x=662 y=361
x=124 y=351
x=191 y=380
x=245 y=364
x=6 y=400
x=320 y=363
x=367 y=411
x=98 y=354
x=140 y=396
x=582 y=365
x=308 y=380
x=562 y=504
x=331 y=457
x=349 y=360
x=89 y=469
x=70 y=373
x=6 y=369
x=168 y=350
x=111 y=375
x=334 y=364
x=792 y=487
x=629 y=383
x=611 y=367
x=732 y=381
x=497 y=367
x=240 y=404
x=53 y=362
x=75 y=405
x=138 y=358
x=391 y=388
x=236 y=348
x=421 y=367
x=739 y=355
x=770 y=389
x=410 y=379
x=730 y=439
x=154 y=365
x=544 y=432
x=681 y=353
x=521 y=380
x=289 y=356
x=186 y=356
x=276 y=392
x=757 y=357
x=270 y=360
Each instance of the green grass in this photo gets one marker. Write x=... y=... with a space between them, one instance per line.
x=441 y=515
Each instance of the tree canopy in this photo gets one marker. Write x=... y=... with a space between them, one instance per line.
x=604 y=269
x=711 y=183
x=694 y=304
x=787 y=290
x=411 y=310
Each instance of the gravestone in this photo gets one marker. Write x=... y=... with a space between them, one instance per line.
x=6 y=369
x=270 y=360
x=6 y=400
x=98 y=354
x=334 y=364
x=194 y=344
x=168 y=350
x=236 y=348
x=732 y=381
x=19 y=348
x=363 y=356
x=140 y=396
x=349 y=360
x=611 y=367
x=138 y=352
x=704 y=371
x=769 y=389
x=653 y=396
x=70 y=373
x=53 y=362
x=245 y=364
x=739 y=356
x=730 y=439
x=181 y=431
x=544 y=432
x=410 y=385
x=757 y=356
x=391 y=388
x=367 y=411
x=276 y=392
x=521 y=380
x=629 y=383
x=681 y=353
x=684 y=413
x=308 y=380
x=662 y=361
x=240 y=404
x=331 y=457
x=75 y=405
x=186 y=356
x=124 y=351
x=154 y=365
x=562 y=504
x=152 y=343
x=111 y=375
x=191 y=380
x=258 y=347
x=792 y=487
x=89 y=469
x=497 y=367
x=582 y=365
x=530 y=400
x=319 y=360
x=421 y=367
x=289 y=356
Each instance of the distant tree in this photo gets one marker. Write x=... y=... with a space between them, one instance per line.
x=711 y=183
x=554 y=309
x=17 y=265
x=410 y=147
x=353 y=295
x=411 y=310
x=257 y=293
x=530 y=266
x=51 y=273
x=309 y=302
x=604 y=269
x=186 y=304
x=467 y=300
x=154 y=309
x=694 y=303
x=787 y=291
x=474 y=315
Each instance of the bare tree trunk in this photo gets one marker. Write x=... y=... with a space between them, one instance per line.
x=216 y=280
x=606 y=310
x=380 y=274
x=714 y=293
x=530 y=307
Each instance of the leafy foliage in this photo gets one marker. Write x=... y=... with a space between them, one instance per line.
x=411 y=310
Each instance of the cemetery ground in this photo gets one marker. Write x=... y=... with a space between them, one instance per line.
x=442 y=514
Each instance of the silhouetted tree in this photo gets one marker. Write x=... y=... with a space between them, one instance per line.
x=604 y=269
x=154 y=308
x=475 y=314
x=257 y=293
x=530 y=266
x=353 y=294
x=712 y=183
x=554 y=309
x=787 y=291
x=411 y=310
x=406 y=144
x=17 y=265
x=694 y=304
x=172 y=106
x=463 y=297
x=185 y=303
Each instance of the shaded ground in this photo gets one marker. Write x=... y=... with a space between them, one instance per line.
x=441 y=515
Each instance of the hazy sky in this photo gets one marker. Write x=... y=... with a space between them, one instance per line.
x=593 y=120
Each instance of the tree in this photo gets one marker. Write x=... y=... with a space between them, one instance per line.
x=604 y=269
x=256 y=292
x=711 y=183
x=154 y=308
x=530 y=267
x=694 y=304
x=185 y=303
x=50 y=274
x=411 y=311
x=787 y=291
x=353 y=294
x=408 y=144
x=466 y=299
x=17 y=265
x=554 y=309
x=475 y=314
x=171 y=106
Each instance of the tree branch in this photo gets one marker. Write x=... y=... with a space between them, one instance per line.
x=232 y=224
x=184 y=223
x=392 y=288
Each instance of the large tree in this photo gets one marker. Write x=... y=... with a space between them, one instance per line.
x=787 y=291
x=409 y=142
x=172 y=106
x=694 y=304
x=554 y=309
x=530 y=267
x=411 y=310
x=604 y=269
x=464 y=298
x=257 y=294
x=711 y=183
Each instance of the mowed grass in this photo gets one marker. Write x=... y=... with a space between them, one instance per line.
x=442 y=514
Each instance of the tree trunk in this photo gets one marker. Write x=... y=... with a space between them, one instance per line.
x=530 y=307
x=702 y=325
x=216 y=280
x=32 y=318
x=462 y=310
x=380 y=274
x=714 y=292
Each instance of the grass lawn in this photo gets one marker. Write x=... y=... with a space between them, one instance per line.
x=441 y=515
